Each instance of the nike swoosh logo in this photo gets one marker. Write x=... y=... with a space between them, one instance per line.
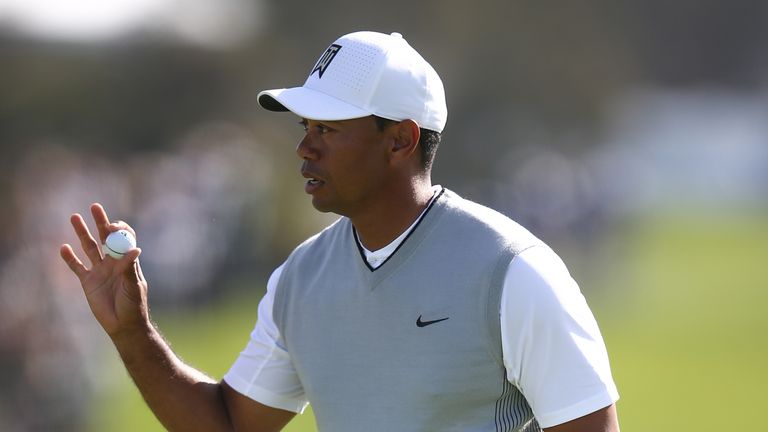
x=420 y=323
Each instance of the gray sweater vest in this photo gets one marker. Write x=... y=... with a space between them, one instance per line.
x=414 y=345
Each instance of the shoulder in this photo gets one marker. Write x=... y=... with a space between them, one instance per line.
x=332 y=232
x=316 y=251
x=539 y=276
x=479 y=221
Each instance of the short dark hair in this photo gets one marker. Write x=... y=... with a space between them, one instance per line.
x=428 y=142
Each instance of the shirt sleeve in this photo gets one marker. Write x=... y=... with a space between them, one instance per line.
x=552 y=347
x=264 y=371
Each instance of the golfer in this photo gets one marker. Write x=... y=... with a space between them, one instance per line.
x=416 y=310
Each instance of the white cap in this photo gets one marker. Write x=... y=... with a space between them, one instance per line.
x=366 y=73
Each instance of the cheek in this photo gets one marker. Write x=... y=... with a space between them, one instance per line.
x=369 y=168
x=361 y=159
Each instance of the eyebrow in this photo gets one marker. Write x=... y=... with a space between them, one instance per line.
x=305 y=122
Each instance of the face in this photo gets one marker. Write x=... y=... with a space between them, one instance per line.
x=345 y=164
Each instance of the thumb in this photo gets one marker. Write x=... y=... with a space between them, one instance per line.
x=128 y=264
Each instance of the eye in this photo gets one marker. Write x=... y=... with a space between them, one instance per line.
x=323 y=128
x=304 y=125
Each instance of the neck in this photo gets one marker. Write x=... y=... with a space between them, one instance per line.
x=379 y=226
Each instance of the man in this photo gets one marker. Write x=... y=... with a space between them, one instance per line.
x=416 y=311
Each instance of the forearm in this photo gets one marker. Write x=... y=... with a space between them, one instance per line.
x=181 y=397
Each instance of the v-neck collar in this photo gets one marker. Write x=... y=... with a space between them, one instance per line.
x=406 y=247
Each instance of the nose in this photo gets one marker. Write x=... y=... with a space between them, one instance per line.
x=305 y=149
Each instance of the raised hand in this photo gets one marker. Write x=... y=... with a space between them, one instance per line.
x=115 y=289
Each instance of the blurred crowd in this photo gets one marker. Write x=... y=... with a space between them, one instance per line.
x=188 y=207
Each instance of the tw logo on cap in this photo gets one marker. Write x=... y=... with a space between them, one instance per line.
x=325 y=60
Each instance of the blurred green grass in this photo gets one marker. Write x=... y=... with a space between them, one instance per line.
x=681 y=310
x=688 y=347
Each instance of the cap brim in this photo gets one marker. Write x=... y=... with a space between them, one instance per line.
x=309 y=104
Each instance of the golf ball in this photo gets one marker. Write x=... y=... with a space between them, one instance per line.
x=118 y=243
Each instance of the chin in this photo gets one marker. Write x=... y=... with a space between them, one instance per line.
x=328 y=207
x=321 y=206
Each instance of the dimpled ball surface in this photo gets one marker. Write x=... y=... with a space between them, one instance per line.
x=118 y=243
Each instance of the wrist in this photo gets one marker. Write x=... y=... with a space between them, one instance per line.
x=134 y=335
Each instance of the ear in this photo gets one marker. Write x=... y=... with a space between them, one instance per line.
x=405 y=140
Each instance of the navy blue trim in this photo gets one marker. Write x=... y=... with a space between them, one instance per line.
x=423 y=215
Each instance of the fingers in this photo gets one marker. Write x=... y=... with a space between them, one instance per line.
x=88 y=243
x=74 y=263
x=128 y=264
x=102 y=221
x=92 y=248
x=104 y=225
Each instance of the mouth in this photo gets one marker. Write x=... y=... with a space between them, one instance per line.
x=313 y=182
x=313 y=185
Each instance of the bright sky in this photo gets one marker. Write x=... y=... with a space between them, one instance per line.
x=205 y=22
